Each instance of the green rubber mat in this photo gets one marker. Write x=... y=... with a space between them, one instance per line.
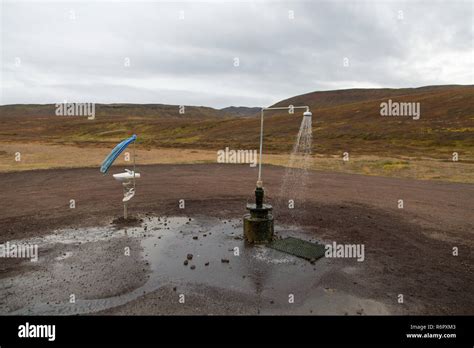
x=298 y=247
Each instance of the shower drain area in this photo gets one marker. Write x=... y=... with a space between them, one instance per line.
x=298 y=247
x=198 y=265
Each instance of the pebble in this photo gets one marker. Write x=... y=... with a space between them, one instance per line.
x=193 y=267
x=225 y=260
x=189 y=256
x=185 y=262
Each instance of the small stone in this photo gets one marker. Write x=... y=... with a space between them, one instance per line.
x=195 y=237
x=189 y=256
x=204 y=235
x=185 y=262
x=174 y=289
x=225 y=260
x=206 y=264
x=193 y=267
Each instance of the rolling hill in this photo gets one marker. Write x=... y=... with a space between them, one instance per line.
x=343 y=120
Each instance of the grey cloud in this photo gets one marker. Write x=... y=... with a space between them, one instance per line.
x=190 y=61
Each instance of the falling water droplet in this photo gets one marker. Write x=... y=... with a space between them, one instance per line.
x=295 y=179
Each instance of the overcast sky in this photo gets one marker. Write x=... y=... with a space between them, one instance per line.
x=79 y=51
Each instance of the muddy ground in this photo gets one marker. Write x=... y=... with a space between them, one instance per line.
x=408 y=251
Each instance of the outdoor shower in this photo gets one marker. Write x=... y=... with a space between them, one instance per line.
x=258 y=224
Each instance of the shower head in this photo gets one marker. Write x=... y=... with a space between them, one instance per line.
x=307 y=113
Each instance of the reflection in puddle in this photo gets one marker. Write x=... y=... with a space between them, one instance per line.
x=188 y=252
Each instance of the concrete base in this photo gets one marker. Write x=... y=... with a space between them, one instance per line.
x=258 y=225
x=258 y=230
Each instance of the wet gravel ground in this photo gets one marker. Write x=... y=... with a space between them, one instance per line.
x=140 y=269
x=169 y=265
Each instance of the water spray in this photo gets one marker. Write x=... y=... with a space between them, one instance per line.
x=258 y=224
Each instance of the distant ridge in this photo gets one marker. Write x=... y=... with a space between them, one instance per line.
x=241 y=111
x=343 y=121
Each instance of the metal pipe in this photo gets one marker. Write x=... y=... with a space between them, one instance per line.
x=259 y=180
x=134 y=170
x=287 y=107
x=261 y=146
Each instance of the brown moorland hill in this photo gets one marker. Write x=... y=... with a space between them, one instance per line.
x=343 y=120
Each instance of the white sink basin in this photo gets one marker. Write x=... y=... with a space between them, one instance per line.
x=126 y=176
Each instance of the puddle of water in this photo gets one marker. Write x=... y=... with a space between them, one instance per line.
x=250 y=269
x=220 y=258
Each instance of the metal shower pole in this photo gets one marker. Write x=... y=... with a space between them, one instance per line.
x=125 y=207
